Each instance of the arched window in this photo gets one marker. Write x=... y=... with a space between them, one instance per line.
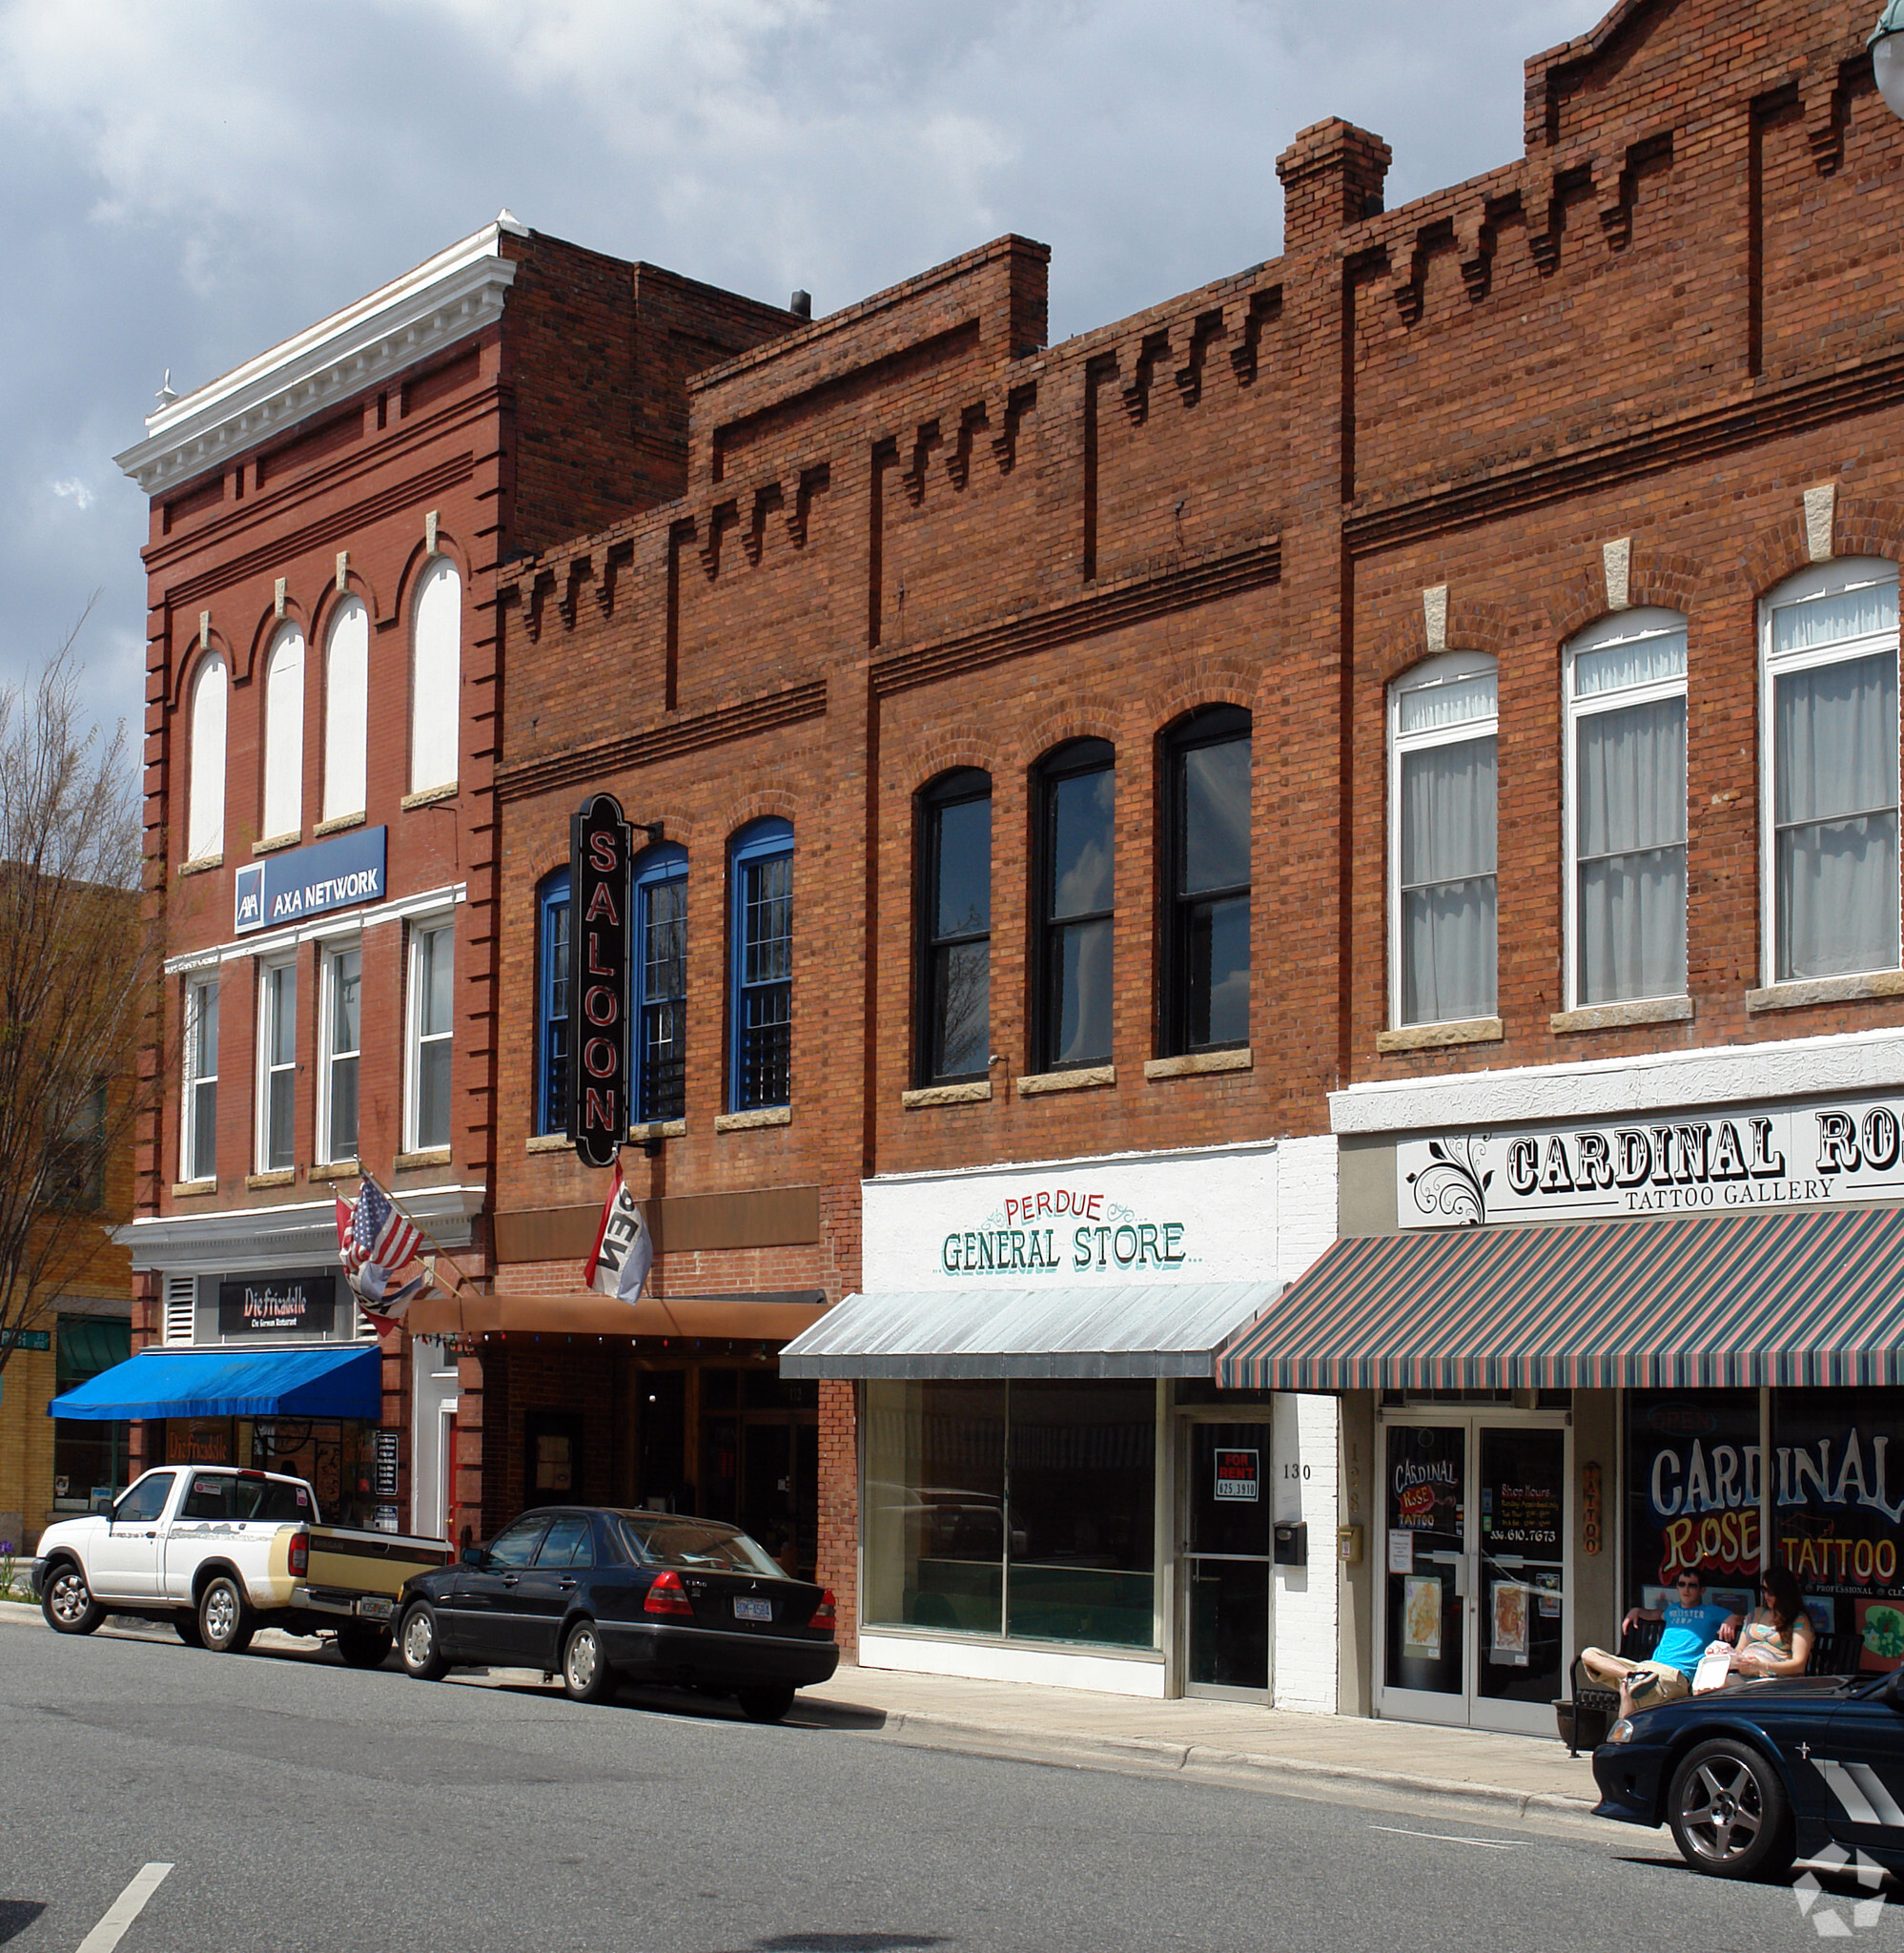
x=1206 y=918
x=205 y=770
x=436 y=665
x=284 y=733
x=346 y=709
x=1827 y=714
x=1625 y=824
x=1442 y=720
x=1075 y=867
x=761 y=932
x=955 y=925
x=660 y=982
x=552 y=979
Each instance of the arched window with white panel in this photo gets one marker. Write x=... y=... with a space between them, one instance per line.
x=346 y=709
x=284 y=734
x=205 y=763
x=1827 y=718
x=436 y=669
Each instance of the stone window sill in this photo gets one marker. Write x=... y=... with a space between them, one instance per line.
x=338 y=822
x=335 y=1169
x=431 y=1156
x=1435 y=1037
x=1080 y=1081
x=662 y=1129
x=430 y=797
x=1194 y=1064
x=551 y=1143
x=272 y=844
x=973 y=1092
x=187 y=1189
x=1794 y=997
x=204 y=865
x=278 y=1176
x=748 y=1122
x=1613 y=1016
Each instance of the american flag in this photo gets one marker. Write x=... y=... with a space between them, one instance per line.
x=375 y=1240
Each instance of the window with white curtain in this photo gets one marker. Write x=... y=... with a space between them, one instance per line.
x=1829 y=730
x=340 y=1047
x=205 y=765
x=436 y=665
x=276 y=1066
x=432 y=973
x=346 y=709
x=1442 y=800
x=284 y=733
x=199 y=1145
x=1625 y=709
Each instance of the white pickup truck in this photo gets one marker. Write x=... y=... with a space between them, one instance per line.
x=219 y=1554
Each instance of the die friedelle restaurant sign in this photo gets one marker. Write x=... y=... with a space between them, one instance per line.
x=285 y=889
x=1702 y=1162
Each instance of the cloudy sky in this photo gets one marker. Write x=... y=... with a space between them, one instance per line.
x=190 y=182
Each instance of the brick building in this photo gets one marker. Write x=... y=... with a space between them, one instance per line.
x=1402 y=736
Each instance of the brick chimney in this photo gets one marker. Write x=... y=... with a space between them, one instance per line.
x=1332 y=177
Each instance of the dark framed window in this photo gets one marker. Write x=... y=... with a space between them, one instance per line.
x=1206 y=883
x=1075 y=802
x=76 y=1170
x=553 y=912
x=954 y=894
x=660 y=978
x=761 y=1004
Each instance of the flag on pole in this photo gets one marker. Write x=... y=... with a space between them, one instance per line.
x=376 y=1240
x=623 y=1247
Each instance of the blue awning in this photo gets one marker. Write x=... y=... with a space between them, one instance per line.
x=227 y=1383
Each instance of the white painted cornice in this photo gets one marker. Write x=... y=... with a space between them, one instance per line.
x=1601 y=1088
x=444 y=299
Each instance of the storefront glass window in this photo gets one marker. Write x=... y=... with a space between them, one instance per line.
x=1837 y=1478
x=1692 y=1494
x=87 y=1457
x=1025 y=1509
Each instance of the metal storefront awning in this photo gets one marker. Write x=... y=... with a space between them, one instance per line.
x=1814 y=1297
x=1153 y=1329
x=768 y=1316
x=341 y=1381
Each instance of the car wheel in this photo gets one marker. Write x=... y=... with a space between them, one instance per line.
x=67 y=1601
x=586 y=1673
x=186 y=1627
x=420 y=1645
x=225 y=1618
x=1730 y=1814
x=764 y=1704
x=362 y=1646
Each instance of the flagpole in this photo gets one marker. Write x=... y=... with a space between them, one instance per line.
x=463 y=1278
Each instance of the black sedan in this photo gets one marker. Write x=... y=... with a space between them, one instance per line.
x=598 y=1596
x=1759 y=1773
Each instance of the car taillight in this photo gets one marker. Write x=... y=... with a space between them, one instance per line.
x=301 y=1554
x=823 y=1614
x=668 y=1596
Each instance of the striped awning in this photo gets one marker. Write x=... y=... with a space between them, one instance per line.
x=1815 y=1296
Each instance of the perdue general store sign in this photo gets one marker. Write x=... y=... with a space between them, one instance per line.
x=1720 y=1161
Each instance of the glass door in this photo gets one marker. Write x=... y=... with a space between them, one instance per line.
x=1226 y=1559
x=1474 y=1570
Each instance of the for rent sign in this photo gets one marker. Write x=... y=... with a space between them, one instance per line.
x=1676 y=1163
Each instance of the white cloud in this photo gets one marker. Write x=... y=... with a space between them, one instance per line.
x=72 y=490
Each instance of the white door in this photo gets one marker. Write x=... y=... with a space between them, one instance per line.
x=432 y=1441
x=124 y=1556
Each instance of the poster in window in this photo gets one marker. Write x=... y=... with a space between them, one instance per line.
x=1401 y=1551
x=1422 y=1617
x=1238 y=1476
x=1507 y=1646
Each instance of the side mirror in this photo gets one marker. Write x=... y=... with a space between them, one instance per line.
x=474 y=1556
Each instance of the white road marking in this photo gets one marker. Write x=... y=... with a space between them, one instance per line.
x=124 y=1910
x=1440 y=1837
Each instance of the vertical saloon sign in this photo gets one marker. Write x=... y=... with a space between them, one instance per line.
x=599 y=856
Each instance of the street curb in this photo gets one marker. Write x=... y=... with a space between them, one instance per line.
x=1202 y=1756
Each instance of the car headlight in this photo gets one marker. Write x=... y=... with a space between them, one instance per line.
x=1621 y=1731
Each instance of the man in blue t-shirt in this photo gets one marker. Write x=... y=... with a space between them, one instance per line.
x=1691 y=1623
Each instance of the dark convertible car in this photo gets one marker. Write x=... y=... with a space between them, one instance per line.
x=1759 y=1773
x=598 y=1595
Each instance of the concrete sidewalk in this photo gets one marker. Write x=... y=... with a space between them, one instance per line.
x=1523 y=1773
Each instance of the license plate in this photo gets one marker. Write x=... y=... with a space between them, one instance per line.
x=375 y=1610
x=747 y=1610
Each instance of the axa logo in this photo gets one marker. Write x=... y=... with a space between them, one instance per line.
x=251 y=896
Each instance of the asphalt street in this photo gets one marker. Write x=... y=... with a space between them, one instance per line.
x=303 y=1804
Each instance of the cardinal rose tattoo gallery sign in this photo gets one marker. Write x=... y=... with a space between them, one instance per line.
x=1703 y=1163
